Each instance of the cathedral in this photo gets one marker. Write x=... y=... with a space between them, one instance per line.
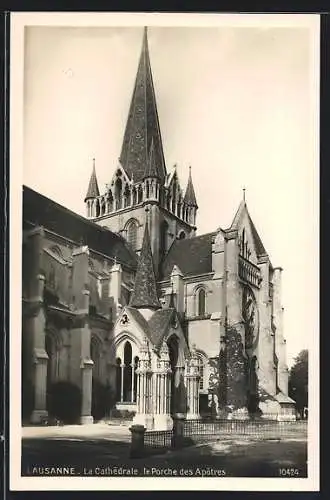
x=130 y=312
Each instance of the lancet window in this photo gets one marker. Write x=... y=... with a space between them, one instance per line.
x=132 y=233
x=126 y=376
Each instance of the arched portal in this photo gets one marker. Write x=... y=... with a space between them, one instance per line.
x=127 y=372
x=126 y=378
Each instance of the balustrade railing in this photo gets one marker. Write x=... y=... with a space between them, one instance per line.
x=249 y=272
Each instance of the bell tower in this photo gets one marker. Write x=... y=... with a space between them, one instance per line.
x=141 y=184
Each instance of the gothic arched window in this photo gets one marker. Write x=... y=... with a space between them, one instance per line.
x=118 y=193
x=127 y=196
x=140 y=194
x=163 y=241
x=201 y=296
x=110 y=202
x=134 y=196
x=127 y=372
x=132 y=233
x=126 y=377
x=97 y=208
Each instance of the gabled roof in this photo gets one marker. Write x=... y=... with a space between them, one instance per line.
x=259 y=247
x=38 y=210
x=139 y=318
x=142 y=124
x=158 y=325
x=192 y=255
x=190 y=197
x=93 y=188
x=144 y=294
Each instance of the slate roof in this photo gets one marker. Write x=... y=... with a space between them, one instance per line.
x=145 y=291
x=139 y=318
x=192 y=255
x=40 y=210
x=142 y=124
x=158 y=325
x=93 y=188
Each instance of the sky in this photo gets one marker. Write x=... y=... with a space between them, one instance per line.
x=235 y=103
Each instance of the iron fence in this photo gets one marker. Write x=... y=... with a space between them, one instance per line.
x=158 y=439
x=263 y=428
x=189 y=432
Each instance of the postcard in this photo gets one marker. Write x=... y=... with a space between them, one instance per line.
x=164 y=185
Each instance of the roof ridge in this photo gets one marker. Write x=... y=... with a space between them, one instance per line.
x=84 y=219
x=88 y=227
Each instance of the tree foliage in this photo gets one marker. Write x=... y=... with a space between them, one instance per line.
x=298 y=380
x=236 y=369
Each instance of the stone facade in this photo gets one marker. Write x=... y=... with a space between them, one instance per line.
x=129 y=310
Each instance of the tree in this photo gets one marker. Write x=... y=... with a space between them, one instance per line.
x=298 y=381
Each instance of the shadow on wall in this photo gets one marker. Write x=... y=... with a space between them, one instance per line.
x=103 y=400
x=64 y=402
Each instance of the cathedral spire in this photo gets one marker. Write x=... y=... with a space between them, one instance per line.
x=142 y=128
x=144 y=295
x=190 y=197
x=93 y=188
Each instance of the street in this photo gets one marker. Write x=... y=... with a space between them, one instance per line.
x=101 y=449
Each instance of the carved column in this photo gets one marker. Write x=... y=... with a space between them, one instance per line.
x=86 y=390
x=162 y=391
x=192 y=384
x=143 y=414
x=39 y=356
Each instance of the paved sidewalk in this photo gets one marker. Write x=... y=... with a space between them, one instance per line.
x=92 y=431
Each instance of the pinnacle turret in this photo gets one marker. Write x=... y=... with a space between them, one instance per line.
x=190 y=197
x=93 y=188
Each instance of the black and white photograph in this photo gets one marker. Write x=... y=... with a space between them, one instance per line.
x=164 y=251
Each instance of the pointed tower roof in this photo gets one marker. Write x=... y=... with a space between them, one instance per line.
x=145 y=291
x=190 y=197
x=93 y=188
x=151 y=167
x=142 y=126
